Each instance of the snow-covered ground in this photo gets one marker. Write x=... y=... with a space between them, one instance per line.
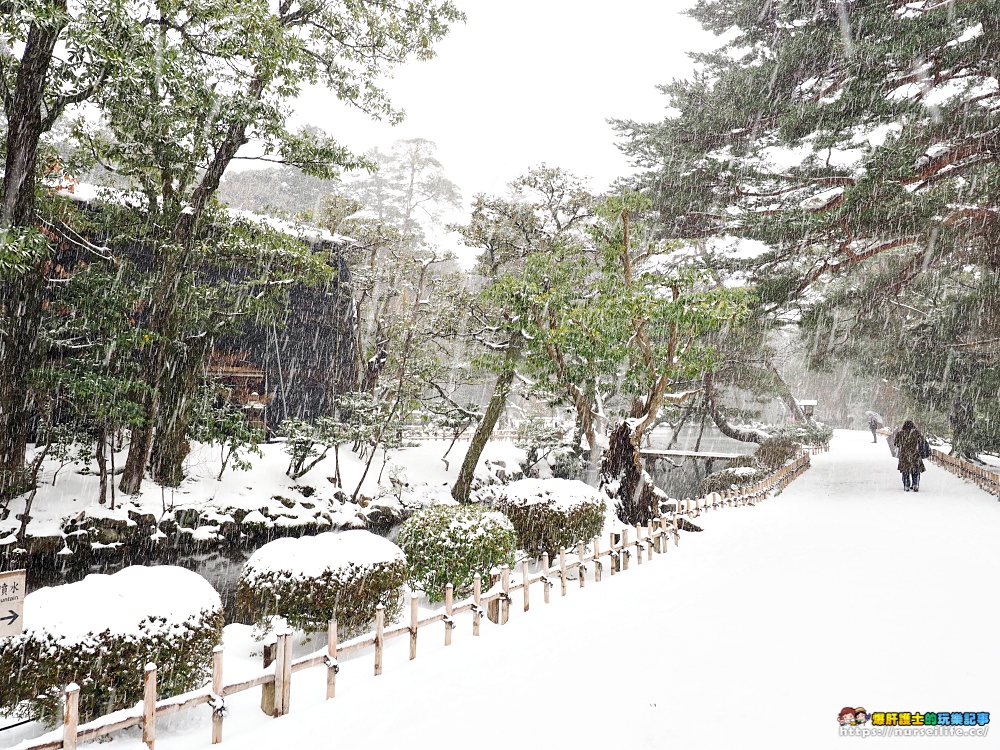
x=415 y=474
x=841 y=591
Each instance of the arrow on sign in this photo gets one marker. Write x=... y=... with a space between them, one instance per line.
x=12 y=617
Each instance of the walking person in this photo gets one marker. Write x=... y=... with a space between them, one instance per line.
x=873 y=426
x=908 y=451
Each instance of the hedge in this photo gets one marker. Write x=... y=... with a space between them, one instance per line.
x=551 y=513
x=451 y=543
x=313 y=579
x=101 y=632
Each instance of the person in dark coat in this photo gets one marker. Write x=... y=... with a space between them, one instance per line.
x=909 y=464
x=873 y=426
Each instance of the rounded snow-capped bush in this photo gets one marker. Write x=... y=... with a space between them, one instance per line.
x=551 y=513
x=777 y=451
x=451 y=543
x=101 y=632
x=314 y=579
x=723 y=481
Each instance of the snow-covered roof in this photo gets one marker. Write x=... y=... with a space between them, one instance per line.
x=86 y=192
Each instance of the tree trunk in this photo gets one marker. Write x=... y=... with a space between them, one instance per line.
x=961 y=417
x=21 y=297
x=100 y=453
x=624 y=479
x=785 y=394
x=463 y=483
x=746 y=436
x=138 y=453
x=170 y=444
x=165 y=318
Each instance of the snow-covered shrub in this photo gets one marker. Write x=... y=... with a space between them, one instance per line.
x=550 y=450
x=777 y=451
x=101 y=632
x=314 y=579
x=807 y=433
x=451 y=543
x=551 y=513
x=725 y=480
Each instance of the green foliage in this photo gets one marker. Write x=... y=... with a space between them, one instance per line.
x=35 y=667
x=549 y=514
x=777 y=451
x=806 y=433
x=727 y=479
x=541 y=439
x=21 y=248
x=451 y=543
x=228 y=426
x=346 y=591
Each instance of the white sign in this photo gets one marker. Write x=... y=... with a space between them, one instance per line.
x=11 y=603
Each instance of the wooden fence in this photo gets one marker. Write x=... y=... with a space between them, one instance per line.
x=988 y=480
x=624 y=548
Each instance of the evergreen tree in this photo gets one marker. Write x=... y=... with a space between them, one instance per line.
x=210 y=78
x=855 y=140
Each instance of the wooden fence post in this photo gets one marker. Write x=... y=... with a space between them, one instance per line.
x=597 y=559
x=546 y=584
x=638 y=543
x=286 y=682
x=414 y=619
x=649 y=533
x=71 y=715
x=477 y=594
x=217 y=687
x=493 y=608
x=505 y=601
x=379 y=637
x=449 y=602
x=562 y=570
x=613 y=558
x=524 y=579
x=332 y=665
x=279 y=674
x=580 y=553
x=625 y=552
x=267 y=690
x=149 y=706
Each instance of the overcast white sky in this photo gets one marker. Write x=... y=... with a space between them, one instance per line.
x=529 y=81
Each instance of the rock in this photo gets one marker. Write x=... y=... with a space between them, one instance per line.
x=189 y=518
x=144 y=520
x=44 y=545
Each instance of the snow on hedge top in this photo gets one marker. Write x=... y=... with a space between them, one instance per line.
x=564 y=494
x=311 y=556
x=166 y=595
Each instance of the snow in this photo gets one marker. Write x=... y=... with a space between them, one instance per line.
x=118 y=602
x=310 y=556
x=842 y=590
x=563 y=494
x=260 y=491
x=298 y=229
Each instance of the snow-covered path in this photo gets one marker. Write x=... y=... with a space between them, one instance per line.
x=841 y=591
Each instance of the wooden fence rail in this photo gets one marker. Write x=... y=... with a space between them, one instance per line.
x=983 y=477
x=275 y=683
